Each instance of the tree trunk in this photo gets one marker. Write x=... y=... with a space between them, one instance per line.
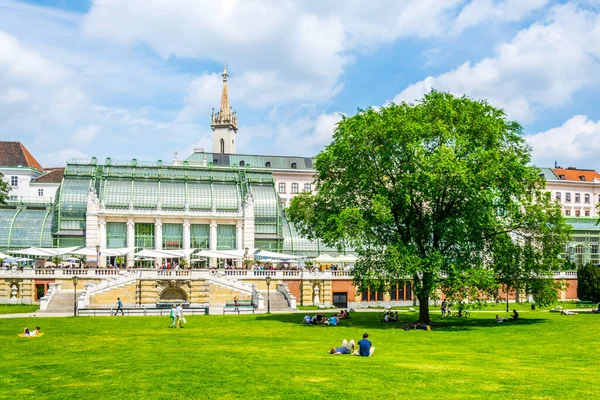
x=424 y=310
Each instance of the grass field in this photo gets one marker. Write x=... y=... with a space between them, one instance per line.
x=17 y=308
x=545 y=356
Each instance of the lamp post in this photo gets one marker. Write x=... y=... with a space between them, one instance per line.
x=268 y=280
x=97 y=256
x=75 y=279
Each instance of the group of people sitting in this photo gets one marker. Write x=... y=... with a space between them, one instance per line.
x=513 y=317
x=418 y=325
x=320 y=319
x=390 y=316
x=365 y=347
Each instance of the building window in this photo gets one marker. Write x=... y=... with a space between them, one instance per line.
x=567 y=212
x=577 y=213
x=13 y=198
x=281 y=187
x=577 y=197
x=282 y=203
x=41 y=192
x=558 y=196
x=14 y=181
x=587 y=213
x=294 y=188
x=567 y=196
x=586 y=198
x=307 y=187
x=222 y=146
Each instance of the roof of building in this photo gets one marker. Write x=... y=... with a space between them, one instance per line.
x=14 y=154
x=549 y=175
x=583 y=223
x=574 y=174
x=53 y=175
x=252 y=160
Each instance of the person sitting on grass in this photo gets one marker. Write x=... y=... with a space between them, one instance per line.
x=27 y=332
x=307 y=319
x=365 y=347
x=317 y=319
x=347 y=348
x=515 y=315
x=333 y=320
x=596 y=311
x=498 y=319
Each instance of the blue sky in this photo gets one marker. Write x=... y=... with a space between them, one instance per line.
x=138 y=78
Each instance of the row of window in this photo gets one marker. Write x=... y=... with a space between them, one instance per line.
x=577 y=213
x=282 y=188
x=14 y=182
x=586 y=197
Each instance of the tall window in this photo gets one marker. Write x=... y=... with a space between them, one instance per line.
x=14 y=181
x=294 y=188
x=41 y=192
x=307 y=187
x=587 y=213
x=281 y=187
x=567 y=196
x=558 y=196
x=222 y=146
x=577 y=197
x=586 y=197
x=567 y=212
x=577 y=213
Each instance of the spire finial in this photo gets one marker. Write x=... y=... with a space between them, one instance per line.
x=224 y=74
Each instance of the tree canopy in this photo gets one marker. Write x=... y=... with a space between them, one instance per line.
x=4 y=189
x=588 y=283
x=441 y=192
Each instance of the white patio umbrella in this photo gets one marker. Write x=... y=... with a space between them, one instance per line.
x=45 y=251
x=347 y=258
x=325 y=259
x=2 y=255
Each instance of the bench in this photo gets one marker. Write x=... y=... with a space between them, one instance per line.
x=584 y=304
x=143 y=311
x=242 y=305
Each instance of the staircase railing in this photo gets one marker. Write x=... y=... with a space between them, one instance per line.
x=44 y=301
x=283 y=289
x=91 y=289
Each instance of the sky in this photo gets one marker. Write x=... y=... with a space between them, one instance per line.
x=139 y=78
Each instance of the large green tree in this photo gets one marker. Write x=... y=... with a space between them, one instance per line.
x=588 y=283
x=4 y=189
x=440 y=191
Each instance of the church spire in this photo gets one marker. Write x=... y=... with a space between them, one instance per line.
x=225 y=117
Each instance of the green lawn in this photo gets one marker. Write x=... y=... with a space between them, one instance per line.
x=17 y=308
x=545 y=356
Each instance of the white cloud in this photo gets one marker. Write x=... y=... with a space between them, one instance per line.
x=575 y=143
x=281 y=50
x=543 y=66
x=85 y=135
x=60 y=158
x=477 y=12
x=306 y=136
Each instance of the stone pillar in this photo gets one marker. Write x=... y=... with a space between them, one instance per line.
x=102 y=241
x=158 y=238
x=239 y=243
x=212 y=240
x=186 y=237
x=130 y=241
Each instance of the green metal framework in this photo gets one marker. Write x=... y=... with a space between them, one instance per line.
x=116 y=235
x=172 y=236
x=199 y=236
x=226 y=237
x=144 y=235
x=25 y=225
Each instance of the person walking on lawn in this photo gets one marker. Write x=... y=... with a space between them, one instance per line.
x=119 y=307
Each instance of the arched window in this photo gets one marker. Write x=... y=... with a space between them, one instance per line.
x=222 y=146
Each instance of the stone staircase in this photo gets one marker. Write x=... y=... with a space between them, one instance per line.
x=278 y=301
x=62 y=302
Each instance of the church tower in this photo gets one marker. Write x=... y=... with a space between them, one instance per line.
x=224 y=123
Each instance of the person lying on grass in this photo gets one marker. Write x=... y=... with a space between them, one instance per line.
x=27 y=332
x=347 y=348
x=498 y=319
x=567 y=312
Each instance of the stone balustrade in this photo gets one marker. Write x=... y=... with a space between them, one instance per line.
x=96 y=273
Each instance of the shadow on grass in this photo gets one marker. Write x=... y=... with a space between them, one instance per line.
x=371 y=321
